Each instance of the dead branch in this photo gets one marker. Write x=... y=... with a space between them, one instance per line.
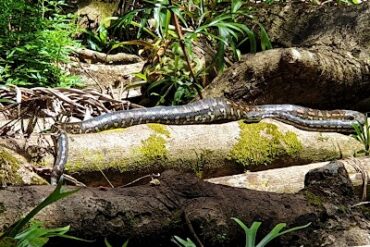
x=153 y=214
x=291 y=179
x=96 y=57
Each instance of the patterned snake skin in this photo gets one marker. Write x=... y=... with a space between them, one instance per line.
x=215 y=110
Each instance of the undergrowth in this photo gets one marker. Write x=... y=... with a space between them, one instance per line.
x=168 y=32
x=35 y=37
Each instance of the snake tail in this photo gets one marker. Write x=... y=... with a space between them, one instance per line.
x=61 y=156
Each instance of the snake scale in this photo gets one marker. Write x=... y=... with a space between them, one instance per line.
x=215 y=110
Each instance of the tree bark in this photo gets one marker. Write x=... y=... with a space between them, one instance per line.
x=208 y=150
x=100 y=57
x=152 y=214
x=323 y=61
x=291 y=179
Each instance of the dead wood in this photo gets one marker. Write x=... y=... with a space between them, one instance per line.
x=57 y=102
x=208 y=150
x=152 y=214
x=323 y=62
x=291 y=179
x=96 y=57
x=108 y=77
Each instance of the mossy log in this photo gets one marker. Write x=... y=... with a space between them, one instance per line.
x=291 y=179
x=180 y=204
x=207 y=150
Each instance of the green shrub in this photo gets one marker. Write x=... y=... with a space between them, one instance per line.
x=250 y=234
x=174 y=73
x=35 y=37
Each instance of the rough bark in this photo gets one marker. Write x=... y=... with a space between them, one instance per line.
x=100 y=57
x=152 y=214
x=101 y=76
x=208 y=150
x=324 y=62
x=291 y=179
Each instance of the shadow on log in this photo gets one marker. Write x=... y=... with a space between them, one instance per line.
x=151 y=215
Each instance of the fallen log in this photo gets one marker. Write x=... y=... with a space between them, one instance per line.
x=208 y=150
x=313 y=64
x=150 y=215
x=291 y=179
x=96 y=57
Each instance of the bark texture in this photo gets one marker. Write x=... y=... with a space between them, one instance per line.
x=291 y=179
x=207 y=150
x=323 y=61
x=118 y=78
x=150 y=215
x=100 y=57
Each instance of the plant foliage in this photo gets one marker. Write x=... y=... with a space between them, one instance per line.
x=171 y=28
x=34 y=39
x=36 y=235
x=362 y=135
x=250 y=234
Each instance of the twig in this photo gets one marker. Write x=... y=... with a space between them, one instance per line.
x=182 y=44
x=191 y=229
x=139 y=179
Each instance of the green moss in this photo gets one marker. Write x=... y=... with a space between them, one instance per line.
x=150 y=151
x=98 y=158
x=153 y=148
x=260 y=143
x=5 y=156
x=203 y=158
x=38 y=180
x=159 y=128
x=9 y=166
x=313 y=199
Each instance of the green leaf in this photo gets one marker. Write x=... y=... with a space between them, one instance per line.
x=107 y=244
x=250 y=233
x=7 y=101
x=178 y=13
x=276 y=233
x=265 y=39
x=36 y=235
x=166 y=22
x=235 y=5
x=141 y=76
x=53 y=197
x=182 y=242
x=125 y=244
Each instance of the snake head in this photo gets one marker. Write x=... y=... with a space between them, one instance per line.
x=356 y=116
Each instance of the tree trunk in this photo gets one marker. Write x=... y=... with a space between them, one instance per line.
x=323 y=59
x=152 y=214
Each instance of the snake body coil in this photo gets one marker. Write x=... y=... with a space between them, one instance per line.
x=220 y=110
x=216 y=110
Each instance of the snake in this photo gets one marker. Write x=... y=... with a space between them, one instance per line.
x=206 y=111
